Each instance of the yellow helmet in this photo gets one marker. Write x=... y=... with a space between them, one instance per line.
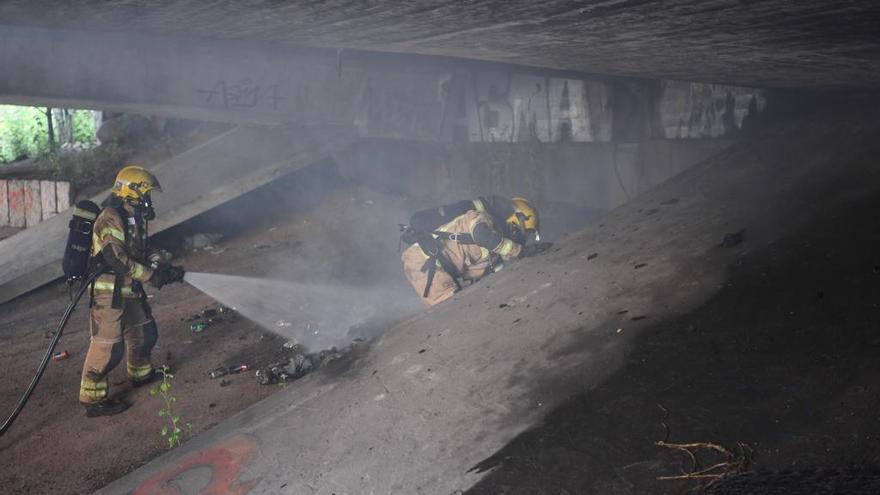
x=134 y=182
x=524 y=218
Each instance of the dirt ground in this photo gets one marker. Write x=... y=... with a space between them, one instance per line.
x=270 y=232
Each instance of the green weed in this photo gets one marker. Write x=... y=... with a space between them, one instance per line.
x=173 y=431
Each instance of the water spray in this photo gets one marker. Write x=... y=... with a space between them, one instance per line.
x=318 y=316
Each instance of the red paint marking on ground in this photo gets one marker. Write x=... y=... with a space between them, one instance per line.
x=226 y=460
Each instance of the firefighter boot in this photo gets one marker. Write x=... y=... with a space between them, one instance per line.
x=146 y=380
x=107 y=407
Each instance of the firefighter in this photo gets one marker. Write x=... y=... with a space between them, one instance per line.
x=120 y=321
x=466 y=240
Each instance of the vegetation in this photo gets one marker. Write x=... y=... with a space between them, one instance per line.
x=173 y=431
x=25 y=131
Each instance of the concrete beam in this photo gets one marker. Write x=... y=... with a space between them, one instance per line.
x=381 y=95
x=199 y=179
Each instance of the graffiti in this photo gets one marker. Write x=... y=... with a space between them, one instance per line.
x=696 y=110
x=521 y=107
x=243 y=95
x=226 y=462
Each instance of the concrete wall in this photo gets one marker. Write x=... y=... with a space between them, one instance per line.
x=381 y=95
x=583 y=177
x=25 y=203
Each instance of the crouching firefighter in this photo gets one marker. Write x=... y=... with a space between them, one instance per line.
x=120 y=321
x=466 y=240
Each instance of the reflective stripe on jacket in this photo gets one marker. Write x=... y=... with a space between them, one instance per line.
x=119 y=250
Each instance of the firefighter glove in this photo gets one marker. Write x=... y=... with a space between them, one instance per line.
x=175 y=274
x=166 y=275
x=535 y=249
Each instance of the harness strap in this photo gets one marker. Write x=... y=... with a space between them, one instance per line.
x=433 y=250
x=455 y=237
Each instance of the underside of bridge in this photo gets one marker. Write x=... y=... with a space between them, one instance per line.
x=705 y=169
x=772 y=43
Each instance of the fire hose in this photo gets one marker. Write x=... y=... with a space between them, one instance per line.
x=30 y=390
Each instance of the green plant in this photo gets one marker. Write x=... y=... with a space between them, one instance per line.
x=172 y=432
x=24 y=131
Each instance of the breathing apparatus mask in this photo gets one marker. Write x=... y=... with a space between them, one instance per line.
x=143 y=208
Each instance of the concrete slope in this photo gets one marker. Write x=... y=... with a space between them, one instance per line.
x=197 y=180
x=419 y=408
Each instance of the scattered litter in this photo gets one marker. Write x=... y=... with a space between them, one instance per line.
x=732 y=239
x=592 y=256
x=207 y=317
x=422 y=351
x=503 y=305
x=290 y=344
x=228 y=370
x=670 y=202
x=60 y=356
x=282 y=323
x=640 y=265
x=224 y=383
x=619 y=330
x=623 y=311
x=637 y=318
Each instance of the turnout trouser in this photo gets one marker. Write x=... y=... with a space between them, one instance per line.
x=443 y=286
x=129 y=331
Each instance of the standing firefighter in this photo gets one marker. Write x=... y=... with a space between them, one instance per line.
x=120 y=318
x=466 y=240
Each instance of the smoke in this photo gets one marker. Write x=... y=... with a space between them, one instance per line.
x=318 y=316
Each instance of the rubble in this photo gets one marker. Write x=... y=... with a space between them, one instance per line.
x=228 y=370
x=297 y=365
x=286 y=370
